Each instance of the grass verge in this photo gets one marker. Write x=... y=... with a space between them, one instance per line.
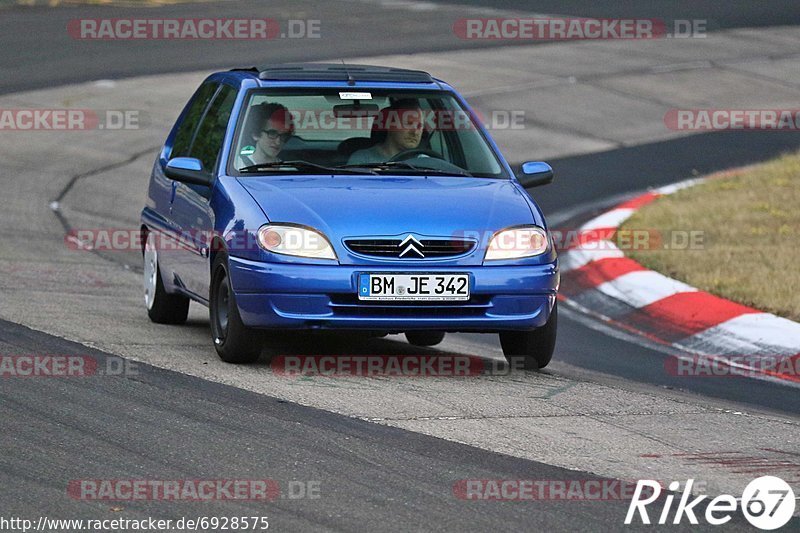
x=750 y=224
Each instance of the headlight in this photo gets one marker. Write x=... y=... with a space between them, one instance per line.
x=519 y=242
x=293 y=240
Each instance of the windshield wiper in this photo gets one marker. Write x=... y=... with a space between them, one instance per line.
x=391 y=165
x=300 y=165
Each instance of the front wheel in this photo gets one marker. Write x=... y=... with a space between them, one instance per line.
x=234 y=342
x=162 y=307
x=533 y=347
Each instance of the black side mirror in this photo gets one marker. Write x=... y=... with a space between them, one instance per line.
x=535 y=173
x=188 y=170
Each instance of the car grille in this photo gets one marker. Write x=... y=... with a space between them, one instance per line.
x=427 y=248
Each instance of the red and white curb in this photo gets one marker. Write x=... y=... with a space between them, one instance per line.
x=719 y=337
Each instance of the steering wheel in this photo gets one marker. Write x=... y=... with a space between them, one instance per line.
x=408 y=154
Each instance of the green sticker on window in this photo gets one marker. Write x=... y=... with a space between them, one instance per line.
x=248 y=150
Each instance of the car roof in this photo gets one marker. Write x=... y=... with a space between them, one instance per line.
x=333 y=73
x=341 y=72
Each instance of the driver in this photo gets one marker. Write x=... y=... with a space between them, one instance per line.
x=398 y=128
x=269 y=127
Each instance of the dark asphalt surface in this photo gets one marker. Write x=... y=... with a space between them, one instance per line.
x=38 y=51
x=164 y=425
x=731 y=14
x=155 y=424
x=592 y=177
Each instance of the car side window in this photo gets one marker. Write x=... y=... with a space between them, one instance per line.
x=183 y=137
x=211 y=132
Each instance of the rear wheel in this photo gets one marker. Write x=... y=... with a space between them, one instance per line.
x=424 y=338
x=234 y=342
x=162 y=307
x=534 y=348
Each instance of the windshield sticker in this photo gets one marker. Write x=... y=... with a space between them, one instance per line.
x=355 y=96
x=248 y=150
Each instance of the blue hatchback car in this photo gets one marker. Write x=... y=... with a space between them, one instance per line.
x=305 y=197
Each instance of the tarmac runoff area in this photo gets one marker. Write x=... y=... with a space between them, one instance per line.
x=577 y=98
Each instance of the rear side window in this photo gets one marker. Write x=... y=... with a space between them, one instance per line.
x=211 y=133
x=183 y=137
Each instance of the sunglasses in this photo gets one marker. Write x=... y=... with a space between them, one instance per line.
x=275 y=134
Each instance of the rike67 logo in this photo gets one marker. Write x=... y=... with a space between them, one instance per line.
x=768 y=503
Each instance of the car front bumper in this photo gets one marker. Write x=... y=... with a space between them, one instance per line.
x=277 y=295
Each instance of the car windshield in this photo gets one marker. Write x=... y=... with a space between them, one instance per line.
x=363 y=131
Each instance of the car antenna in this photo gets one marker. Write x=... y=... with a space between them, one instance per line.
x=350 y=79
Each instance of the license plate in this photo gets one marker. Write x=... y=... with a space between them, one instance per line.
x=431 y=287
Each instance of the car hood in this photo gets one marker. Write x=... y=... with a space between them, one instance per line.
x=361 y=206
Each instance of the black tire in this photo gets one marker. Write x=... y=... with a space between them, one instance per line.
x=533 y=347
x=162 y=307
x=424 y=338
x=235 y=343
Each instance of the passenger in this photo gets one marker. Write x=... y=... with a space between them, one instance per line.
x=398 y=128
x=269 y=127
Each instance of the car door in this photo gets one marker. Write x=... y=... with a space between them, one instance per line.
x=181 y=142
x=191 y=210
